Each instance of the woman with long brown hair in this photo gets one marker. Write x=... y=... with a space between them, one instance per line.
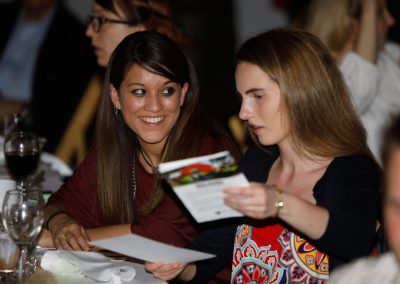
x=149 y=113
x=312 y=203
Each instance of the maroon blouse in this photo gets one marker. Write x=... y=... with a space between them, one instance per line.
x=168 y=222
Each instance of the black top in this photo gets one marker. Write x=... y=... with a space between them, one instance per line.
x=348 y=189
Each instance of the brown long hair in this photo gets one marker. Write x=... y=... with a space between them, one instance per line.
x=320 y=120
x=155 y=15
x=117 y=143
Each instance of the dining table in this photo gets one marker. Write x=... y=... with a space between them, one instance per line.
x=41 y=276
x=49 y=176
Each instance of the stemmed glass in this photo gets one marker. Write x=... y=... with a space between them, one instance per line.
x=23 y=218
x=21 y=151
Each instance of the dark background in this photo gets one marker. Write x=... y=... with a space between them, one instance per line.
x=213 y=25
x=209 y=24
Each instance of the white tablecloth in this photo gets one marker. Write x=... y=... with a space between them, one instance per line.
x=142 y=277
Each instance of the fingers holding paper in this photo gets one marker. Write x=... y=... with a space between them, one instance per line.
x=256 y=200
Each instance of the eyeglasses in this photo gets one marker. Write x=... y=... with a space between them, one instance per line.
x=96 y=22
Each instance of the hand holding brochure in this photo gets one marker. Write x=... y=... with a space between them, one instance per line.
x=198 y=182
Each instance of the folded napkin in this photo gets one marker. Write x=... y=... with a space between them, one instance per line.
x=56 y=164
x=87 y=264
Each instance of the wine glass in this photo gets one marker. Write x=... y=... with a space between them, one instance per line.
x=22 y=216
x=21 y=151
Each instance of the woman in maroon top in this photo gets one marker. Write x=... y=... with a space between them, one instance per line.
x=149 y=113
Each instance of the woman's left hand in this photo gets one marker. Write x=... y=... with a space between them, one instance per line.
x=256 y=200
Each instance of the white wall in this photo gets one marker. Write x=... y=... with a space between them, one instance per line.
x=255 y=16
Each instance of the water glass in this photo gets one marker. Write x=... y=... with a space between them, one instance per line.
x=23 y=218
x=30 y=263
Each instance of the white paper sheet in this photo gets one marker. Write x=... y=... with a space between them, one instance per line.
x=199 y=181
x=149 y=250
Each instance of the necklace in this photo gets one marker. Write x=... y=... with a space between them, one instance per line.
x=147 y=160
x=134 y=177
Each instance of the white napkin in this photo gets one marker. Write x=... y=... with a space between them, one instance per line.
x=56 y=164
x=87 y=264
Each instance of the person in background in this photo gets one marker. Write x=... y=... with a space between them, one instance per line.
x=45 y=64
x=355 y=32
x=149 y=113
x=385 y=268
x=312 y=201
x=112 y=20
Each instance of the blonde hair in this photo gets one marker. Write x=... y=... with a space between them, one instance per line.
x=320 y=117
x=332 y=21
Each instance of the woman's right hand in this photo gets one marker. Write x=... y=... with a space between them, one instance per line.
x=169 y=271
x=68 y=234
x=165 y=271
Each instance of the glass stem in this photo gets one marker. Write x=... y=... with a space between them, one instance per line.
x=21 y=185
x=21 y=266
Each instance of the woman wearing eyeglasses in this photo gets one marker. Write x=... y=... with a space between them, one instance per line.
x=112 y=20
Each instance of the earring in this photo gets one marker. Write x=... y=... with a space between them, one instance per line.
x=116 y=109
